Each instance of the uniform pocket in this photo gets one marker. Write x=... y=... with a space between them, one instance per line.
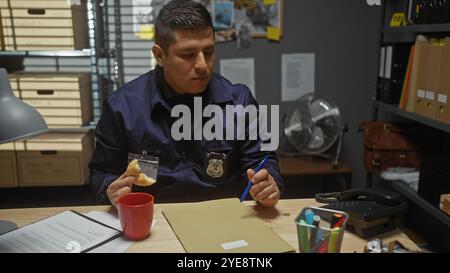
x=165 y=152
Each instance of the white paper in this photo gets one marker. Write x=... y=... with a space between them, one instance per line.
x=297 y=75
x=239 y=71
x=61 y=233
x=118 y=245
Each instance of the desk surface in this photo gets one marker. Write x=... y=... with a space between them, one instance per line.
x=309 y=166
x=162 y=239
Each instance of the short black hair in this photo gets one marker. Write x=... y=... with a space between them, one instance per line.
x=184 y=14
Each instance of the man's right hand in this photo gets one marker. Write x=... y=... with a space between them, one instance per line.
x=119 y=187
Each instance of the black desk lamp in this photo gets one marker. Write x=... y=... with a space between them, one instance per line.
x=18 y=120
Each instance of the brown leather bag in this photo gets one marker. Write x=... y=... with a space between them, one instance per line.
x=390 y=145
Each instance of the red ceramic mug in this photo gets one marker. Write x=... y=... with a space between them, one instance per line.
x=136 y=214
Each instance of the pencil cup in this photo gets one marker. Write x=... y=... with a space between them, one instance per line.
x=320 y=230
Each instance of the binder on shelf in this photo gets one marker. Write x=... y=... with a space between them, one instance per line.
x=412 y=92
x=411 y=11
x=443 y=95
x=406 y=81
x=420 y=88
x=380 y=81
x=432 y=79
x=395 y=68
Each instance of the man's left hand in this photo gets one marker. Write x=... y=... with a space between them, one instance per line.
x=264 y=190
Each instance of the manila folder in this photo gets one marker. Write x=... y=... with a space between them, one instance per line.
x=223 y=225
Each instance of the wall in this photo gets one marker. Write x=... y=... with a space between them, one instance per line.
x=343 y=34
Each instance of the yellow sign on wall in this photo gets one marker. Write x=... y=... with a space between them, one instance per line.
x=398 y=20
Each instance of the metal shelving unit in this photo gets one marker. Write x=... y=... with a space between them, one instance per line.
x=422 y=215
x=411 y=116
x=427 y=215
x=100 y=55
x=418 y=28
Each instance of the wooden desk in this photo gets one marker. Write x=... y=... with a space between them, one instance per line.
x=308 y=165
x=162 y=239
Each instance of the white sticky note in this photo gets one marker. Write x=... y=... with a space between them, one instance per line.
x=234 y=244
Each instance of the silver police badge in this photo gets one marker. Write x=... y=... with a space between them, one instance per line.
x=215 y=165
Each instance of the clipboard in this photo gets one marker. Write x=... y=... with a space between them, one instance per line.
x=222 y=226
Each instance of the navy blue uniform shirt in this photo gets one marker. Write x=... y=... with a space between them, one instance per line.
x=137 y=118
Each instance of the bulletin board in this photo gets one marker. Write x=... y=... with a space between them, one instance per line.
x=231 y=18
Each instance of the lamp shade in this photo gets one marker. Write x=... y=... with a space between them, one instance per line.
x=17 y=119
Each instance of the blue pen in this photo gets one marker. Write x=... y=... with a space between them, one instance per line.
x=249 y=185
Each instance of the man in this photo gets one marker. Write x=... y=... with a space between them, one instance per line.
x=137 y=118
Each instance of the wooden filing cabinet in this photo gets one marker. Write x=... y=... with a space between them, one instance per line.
x=8 y=169
x=8 y=164
x=63 y=99
x=44 y=25
x=55 y=160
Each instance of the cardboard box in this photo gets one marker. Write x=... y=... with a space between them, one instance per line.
x=64 y=99
x=8 y=164
x=443 y=99
x=60 y=142
x=64 y=26
x=64 y=4
x=41 y=12
x=55 y=160
x=43 y=31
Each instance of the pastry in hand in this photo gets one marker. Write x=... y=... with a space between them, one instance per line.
x=144 y=180
x=133 y=169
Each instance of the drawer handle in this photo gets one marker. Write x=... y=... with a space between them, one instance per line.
x=45 y=92
x=49 y=152
x=36 y=11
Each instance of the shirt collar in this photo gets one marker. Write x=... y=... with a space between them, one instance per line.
x=216 y=92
